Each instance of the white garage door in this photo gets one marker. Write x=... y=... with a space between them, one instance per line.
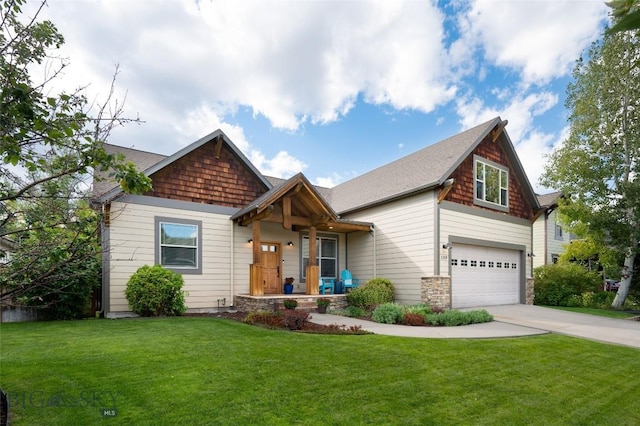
x=483 y=276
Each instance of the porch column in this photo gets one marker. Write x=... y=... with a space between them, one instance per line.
x=313 y=274
x=256 y=285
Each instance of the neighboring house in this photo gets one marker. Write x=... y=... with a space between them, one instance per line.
x=549 y=238
x=7 y=248
x=449 y=225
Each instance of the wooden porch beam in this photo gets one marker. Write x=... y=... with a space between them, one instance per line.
x=286 y=213
x=249 y=218
x=256 y=243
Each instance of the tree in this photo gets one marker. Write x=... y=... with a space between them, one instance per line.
x=598 y=163
x=626 y=13
x=49 y=147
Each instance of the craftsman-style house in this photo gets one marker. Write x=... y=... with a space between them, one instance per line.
x=449 y=225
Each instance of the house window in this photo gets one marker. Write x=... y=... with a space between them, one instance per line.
x=555 y=258
x=179 y=245
x=327 y=256
x=558 y=233
x=492 y=184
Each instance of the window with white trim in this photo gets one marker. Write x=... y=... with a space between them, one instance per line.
x=327 y=256
x=492 y=184
x=178 y=244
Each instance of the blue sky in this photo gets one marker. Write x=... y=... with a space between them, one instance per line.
x=332 y=89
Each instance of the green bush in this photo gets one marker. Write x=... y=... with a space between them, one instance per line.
x=388 y=313
x=373 y=293
x=556 y=284
x=155 y=291
x=454 y=317
x=421 y=309
x=354 y=312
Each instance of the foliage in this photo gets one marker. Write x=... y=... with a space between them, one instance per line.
x=49 y=146
x=323 y=301
x=388 y=313
x=289 y=280
x=375 y=292
x=290 y=303
x=593 y=256
x=626 y=15
x=295 y=320
x=266 y=318
x=421 y=309
x=555 y=284
x=454 y=317
x=155 y=291
x=354 y=312
x=597 y=164
x=54 y=268
x=413 y=319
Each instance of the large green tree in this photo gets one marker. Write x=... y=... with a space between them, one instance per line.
x=49 y=147
x=598 y=164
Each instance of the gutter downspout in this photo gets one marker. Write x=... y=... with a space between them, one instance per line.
x=375 y=254
x=232 y=264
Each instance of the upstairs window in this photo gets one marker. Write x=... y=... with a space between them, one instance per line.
x=558 y=233
x=492 y=185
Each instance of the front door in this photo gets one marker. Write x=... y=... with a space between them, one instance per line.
x=270 y=261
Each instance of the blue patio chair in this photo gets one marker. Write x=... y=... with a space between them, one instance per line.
x=326 y=284
x=348 y=282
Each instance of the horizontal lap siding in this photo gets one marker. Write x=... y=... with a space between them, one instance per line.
x=404 y=244
x=454 y=223
x=539 y=246
x=555 y=246
x=132 y=246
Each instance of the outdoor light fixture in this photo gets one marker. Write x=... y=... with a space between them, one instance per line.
x=250 y=240
x=446 y=246
x=290 y=243
x=531 y=255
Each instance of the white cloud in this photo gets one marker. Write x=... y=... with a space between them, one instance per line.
x=282 y=165
x=540 y=39
x=329 y=181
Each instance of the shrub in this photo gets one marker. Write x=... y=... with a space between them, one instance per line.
x=266 y=318
x=454 y=317
x=154 y=291
x=413 y=319
x=290 y=303
x=375 y=292
x=354 y=312
x=421 y=309
x=295 y=320
x=388 y=313
x=555 y=284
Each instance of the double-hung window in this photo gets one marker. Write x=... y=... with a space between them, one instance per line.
x=179 y=244
x=491 y=184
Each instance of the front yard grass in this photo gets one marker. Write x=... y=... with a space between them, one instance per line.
x=205 y=371
x=611 y=313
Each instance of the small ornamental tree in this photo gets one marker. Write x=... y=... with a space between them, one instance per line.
x=156 y=291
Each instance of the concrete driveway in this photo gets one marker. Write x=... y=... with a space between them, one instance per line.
x=593 y=327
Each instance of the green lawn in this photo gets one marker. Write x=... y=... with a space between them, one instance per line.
x=593 y=311
x=207 y=371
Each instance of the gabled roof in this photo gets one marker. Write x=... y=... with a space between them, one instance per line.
x=218 y=136
x=423 y=170
x=306 y=207
x=142 y=159
x=549 y=200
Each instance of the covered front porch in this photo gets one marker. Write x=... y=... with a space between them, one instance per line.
x=297 y=207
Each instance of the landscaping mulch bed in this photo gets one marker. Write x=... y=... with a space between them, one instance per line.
x=308 y=327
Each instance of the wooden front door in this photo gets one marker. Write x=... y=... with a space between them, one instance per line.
x=271 y=265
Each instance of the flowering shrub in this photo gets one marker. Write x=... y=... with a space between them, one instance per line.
x=295 y=320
